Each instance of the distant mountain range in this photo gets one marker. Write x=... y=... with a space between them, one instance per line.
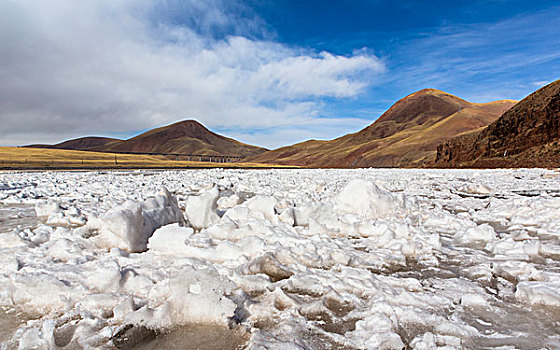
x=407 y=135
x=185 y=137
x=527 y=135
x=429 y=128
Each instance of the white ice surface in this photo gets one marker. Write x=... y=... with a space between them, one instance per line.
x=296 y=259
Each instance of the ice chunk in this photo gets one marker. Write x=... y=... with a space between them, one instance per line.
x=475 y=189
x=35 y=338
x=47 y=207
x=473 y=300
x=12 y=239
x=288 y=216
x=480 y=234
x=106 y=277
x=260 y=208
x=54 y=214
x=228 y=202
x=169 y=239
x=130 y=225
x=41 y=234
x=269 y=266
x=314 y=210
x=376 y=332
x=264 y=205
x=425 y=342
x=201 y=209
x=42 y=291
x=533 y=292
x=364 y=198
x=188 y=296
x=64 y=249
x=510 y=247
x=518 y=270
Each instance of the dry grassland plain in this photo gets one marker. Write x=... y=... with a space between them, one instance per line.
x=40 y=158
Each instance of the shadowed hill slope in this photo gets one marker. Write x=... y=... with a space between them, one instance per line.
x=527 y=135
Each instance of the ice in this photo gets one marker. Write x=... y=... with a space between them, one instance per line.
x=12 y=239
x=426 y=341
x=475 y=188
x=480 y=234
x=280 y=259
x=169 y=239
x=191 y=294
x=364 y=199
x=539 y=292
x=130 y=225
x=201 y=209
x=264 y=205
x=228 y=202
x=41 y=291
x=46 y=208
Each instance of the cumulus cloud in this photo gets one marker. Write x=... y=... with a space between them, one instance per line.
x=70 y=68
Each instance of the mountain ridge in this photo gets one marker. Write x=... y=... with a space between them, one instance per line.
x=527 y=135
x=80 y=143
x=406 y=135
x=186 y=137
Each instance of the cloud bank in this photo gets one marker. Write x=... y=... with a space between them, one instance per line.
x=71 y=68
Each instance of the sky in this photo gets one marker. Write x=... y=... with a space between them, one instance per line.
x=266 y=72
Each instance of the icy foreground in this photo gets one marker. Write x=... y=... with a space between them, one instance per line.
x=281 y=259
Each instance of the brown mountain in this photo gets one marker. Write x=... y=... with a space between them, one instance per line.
x=187 y=137
x=82 y=143
x=527 y=135
x=406 y=135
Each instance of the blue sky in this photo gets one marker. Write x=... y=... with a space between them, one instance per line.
x=270 y=73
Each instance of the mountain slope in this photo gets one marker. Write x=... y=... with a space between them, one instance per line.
x=406 y=135
x=186 y=137
x=189 y=137
x=82 y=143
x=527 y=135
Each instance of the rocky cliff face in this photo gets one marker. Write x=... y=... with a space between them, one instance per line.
x=527 y=135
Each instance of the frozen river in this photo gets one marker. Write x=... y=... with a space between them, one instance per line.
x=280 y=259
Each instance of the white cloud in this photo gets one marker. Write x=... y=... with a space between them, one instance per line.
x=541 y=83
x=70 y=68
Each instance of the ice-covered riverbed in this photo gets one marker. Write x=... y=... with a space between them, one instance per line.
x=281 y=259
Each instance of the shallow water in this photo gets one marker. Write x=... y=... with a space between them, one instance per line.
x=10 y=320
x=200 y=337
x=14 y=216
